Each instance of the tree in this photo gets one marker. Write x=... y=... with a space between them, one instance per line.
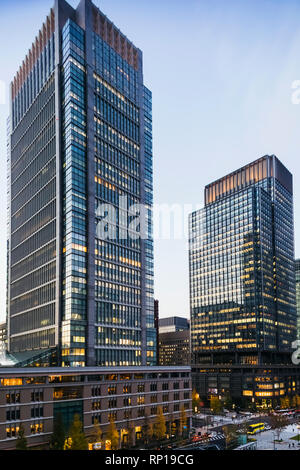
x=77 y=436
x=58 y=437
x=230 y=433
x=284 y=403
x=113 y=435
x=182 y=421
x=130 y=431
x=21 y=443
x=228 y=401
x=97 y=434
x=293 y=402
x=147 y=430
x=160 y=429
x=196 y=401
x=215 y=405
x=278 y=422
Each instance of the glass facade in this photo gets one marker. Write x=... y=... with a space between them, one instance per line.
x=297 y=274
x=241 y=266
x=74 y=275
x=32 y=199
x=96 y=298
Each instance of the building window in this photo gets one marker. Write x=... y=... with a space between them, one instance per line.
x=112 y=403
x=37 y=428
x=141 y=400
x=141 y=388
x=12 y=414
x=127 y=388
x=127 y=414
x=12 y=431
x=96 y=405
x=96 y=418
x=112 y=390
x=12 y=397
x=96 y=391
x=112 y=416
x=37 y=412
x=37 y=395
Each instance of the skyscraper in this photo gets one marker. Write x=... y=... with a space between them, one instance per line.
x=242 y=280
x=80 y=282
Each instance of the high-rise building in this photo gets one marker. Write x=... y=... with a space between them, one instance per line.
x=242 y=278
x=297 y=274
x=172 y=324
x=80 y=280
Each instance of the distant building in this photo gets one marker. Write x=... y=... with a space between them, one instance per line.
x=297 y=273
x=174 y=348
x=172 y=324
x=3 y=333
x=174 y=341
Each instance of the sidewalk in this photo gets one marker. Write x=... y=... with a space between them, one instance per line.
x=265 y=440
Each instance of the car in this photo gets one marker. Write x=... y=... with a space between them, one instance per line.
x=267 y=428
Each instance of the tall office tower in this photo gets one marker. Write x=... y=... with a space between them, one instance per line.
x=297 y=274
x=242 y=279
x=80 y=276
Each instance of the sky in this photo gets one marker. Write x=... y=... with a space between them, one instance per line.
x=221 y=74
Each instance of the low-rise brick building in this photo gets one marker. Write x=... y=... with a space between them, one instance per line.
x=34 y=397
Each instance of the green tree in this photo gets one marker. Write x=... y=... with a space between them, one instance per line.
x=58 y=437
x=21 y=443
x=113 y=435
x=77 y=436
x=160 y=428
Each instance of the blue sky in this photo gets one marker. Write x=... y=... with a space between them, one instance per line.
x=221 y=75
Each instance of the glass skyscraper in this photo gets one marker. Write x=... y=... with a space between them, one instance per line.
x=242 y=278
x=81 y=152
x=297 y=274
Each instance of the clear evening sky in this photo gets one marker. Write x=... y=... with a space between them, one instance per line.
x=221 y=73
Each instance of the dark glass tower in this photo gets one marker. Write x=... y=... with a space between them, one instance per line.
x=81 y=150
x=242 y=279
